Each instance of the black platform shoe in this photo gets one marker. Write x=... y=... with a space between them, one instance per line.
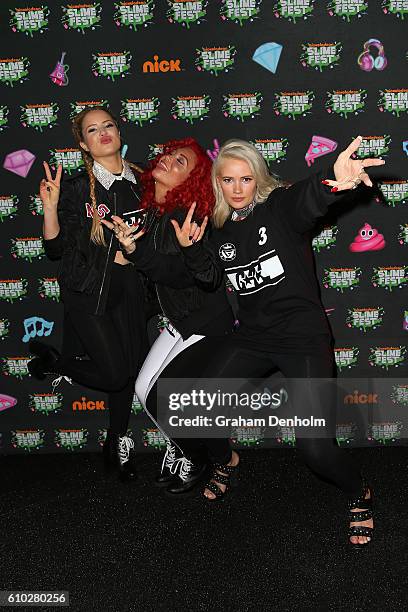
x=45 y=361
x=168 y=473
x=118 y=453
x=189 y=475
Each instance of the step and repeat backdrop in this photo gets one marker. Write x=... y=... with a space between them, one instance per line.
x=299 y=79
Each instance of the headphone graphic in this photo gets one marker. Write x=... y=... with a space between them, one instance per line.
x=367 y=62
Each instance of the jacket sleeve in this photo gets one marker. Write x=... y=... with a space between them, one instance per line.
x=68 y=218
x=201 y=260
x=166 y=269
x=306 y=201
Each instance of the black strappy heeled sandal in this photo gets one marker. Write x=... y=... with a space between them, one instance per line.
x=365 y=514
x=227 y=478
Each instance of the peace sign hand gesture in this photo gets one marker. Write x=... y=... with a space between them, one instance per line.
x=190 y=232
x=351 y=172
x=50 y=188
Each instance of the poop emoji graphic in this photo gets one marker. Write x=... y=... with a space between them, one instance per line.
x=367 y=239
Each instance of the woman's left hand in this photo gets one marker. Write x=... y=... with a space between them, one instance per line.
x=127 y=236
x=351 y=172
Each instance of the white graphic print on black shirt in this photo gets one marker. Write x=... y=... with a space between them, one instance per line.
x=265 y=271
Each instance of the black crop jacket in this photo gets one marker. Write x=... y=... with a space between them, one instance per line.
x=86 y=267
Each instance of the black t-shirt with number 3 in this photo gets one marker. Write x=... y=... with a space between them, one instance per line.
x=268 y=260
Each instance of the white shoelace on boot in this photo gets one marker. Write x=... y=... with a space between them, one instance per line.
x=169 y=457
x=185 y=466
x=57 y=381
x=125 y=445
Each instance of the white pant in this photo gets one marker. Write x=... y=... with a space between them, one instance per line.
x=164 y=350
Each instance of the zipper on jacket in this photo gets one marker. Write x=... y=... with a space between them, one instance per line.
x=107 y=261
x=155 y=284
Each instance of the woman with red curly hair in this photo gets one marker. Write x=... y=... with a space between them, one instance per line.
x=174 y=180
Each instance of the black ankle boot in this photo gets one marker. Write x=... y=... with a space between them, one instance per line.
x=45 y=361
x=189 y=475
x=118 y=453
x=167 y=474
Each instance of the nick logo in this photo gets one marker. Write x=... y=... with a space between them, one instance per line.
x=172 y=65
x=88 y=405
x=361 y=398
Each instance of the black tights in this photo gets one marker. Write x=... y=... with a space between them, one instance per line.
x=105 y=368
x=228 y=358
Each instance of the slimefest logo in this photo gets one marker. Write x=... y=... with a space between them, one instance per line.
x=29 y=20
x=78 y=106
x=272 y=149
x=4 y=111
x=365 y=319
x=35 y=205
x=373 y=146
x=286 y=436
x=215 y=59
x=111 y=65
x=399 y=395
x=293 y=10
x=28 y=439
x=403 y=235
x=69 y=158
x=153 y=438
x=191 y=108
x=154 y=150
x=186 y=12
x=395 y=7
x=248 y=436
x=16 y=366
x=4 y=328
x=71 y=439
x=13 y=290
x=39 y=116
x=347 y=9
x=385 y=433
x=27 y=248
x=82 y=17
x=14 y=70
x=293 y=104
x=8 y=207
x=137 y=407
x=321 y=55
x=45 y=403
x=341 y=278
x=48 y=288
x=346 y=357
x=140 y=111
x=394 y=101
x=240 y=11
x=326 y=239
x=394 y=192
x=134 y=15
x=390 y=277
x=346 y=103
x=242 y=106
x=387 y=356
x=345 y=433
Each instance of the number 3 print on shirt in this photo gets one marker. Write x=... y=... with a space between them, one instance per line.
x=262 y=235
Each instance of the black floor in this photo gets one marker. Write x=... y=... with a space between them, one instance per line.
x=277 y=543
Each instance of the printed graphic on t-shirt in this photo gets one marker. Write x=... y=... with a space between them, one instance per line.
x=102 y=210
x=135 y=217
x=265 y=271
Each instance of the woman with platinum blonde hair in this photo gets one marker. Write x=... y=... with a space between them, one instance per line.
x=263 y=245
x=265 y=182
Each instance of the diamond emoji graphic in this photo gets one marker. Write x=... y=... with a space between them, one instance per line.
x=268 y=55
x=318 y=147
x=19 y=162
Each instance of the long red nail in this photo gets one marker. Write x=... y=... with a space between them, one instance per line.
x=325 y=182
x=335 y=189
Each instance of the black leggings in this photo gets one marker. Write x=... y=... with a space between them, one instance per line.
x=228 y=358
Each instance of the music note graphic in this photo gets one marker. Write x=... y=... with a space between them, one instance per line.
x=36 y=326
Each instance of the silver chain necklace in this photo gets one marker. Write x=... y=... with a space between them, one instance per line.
x=242 y=213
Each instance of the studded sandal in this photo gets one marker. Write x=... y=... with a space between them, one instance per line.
x=225 y=478
x=365 y=514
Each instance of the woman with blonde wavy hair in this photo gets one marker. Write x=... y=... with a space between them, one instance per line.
x=263 y=245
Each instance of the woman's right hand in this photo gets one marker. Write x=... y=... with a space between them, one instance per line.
x=125 y=234
x=50 y=188
x=190 y=232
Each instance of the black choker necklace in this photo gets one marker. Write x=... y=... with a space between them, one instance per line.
x=242 y=213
